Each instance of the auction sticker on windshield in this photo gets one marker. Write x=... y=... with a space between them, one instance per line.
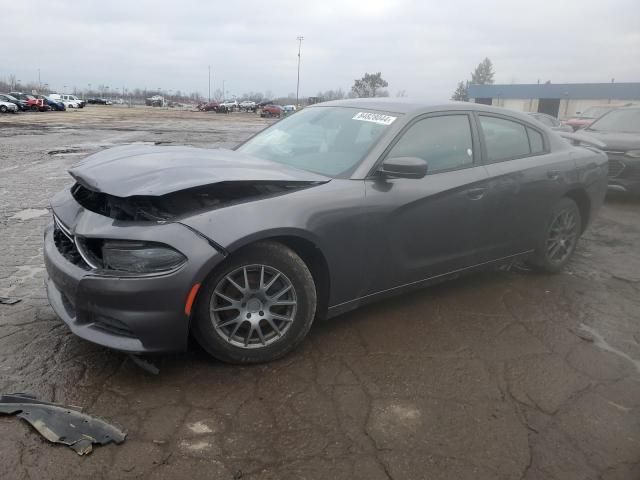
x=374 y=118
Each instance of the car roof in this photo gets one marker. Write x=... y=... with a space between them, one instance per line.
x=408 y=105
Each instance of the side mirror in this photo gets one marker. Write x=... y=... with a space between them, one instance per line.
x=404 y=167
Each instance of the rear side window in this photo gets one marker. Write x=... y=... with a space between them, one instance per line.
x=535 y=140
x=444 y=142
x=504 y=139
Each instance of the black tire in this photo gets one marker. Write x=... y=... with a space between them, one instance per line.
x=3 y=108
x=272 y=255
x=542 y=259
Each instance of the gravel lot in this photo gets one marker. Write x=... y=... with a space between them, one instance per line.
x=499 y=375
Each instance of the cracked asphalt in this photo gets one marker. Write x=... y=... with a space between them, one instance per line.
x=504 y=374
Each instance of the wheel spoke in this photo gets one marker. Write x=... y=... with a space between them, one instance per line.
x=260 y=335
x=246 y=278
x=281 y=292
x=236 y=319
x=273 y=325
x=235 y=329
x=271 y=282
x=228 y=299
x=223 y=309
x=261 y=286
x=247 y=338
x=235 y=284
x=277 y=316
x=284 y=302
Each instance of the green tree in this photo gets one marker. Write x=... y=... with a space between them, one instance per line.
x=483 y=74
x=370 y=86
x=461 y=93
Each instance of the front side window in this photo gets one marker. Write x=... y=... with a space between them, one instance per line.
x=504 y=139
x=444 y=142
x=328 y=140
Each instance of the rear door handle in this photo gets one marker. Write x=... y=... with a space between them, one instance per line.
x=553 y=174
x=476 y=193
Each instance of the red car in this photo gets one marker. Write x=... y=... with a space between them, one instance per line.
x=33 y=103
x=586 y=118
x=271 y=111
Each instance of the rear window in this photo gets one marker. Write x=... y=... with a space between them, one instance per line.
x=504 y=139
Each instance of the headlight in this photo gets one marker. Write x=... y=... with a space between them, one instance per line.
x=129 y=256
x=139 y=257
x=633 y=153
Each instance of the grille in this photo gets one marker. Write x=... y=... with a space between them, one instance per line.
x=66 y=246
x=615 y=168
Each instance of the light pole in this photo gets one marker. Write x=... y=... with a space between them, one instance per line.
x=209 y=83
x=299 y=38
x=223 y=96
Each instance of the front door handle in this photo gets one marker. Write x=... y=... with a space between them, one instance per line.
x=476 y=193
x=553 y=174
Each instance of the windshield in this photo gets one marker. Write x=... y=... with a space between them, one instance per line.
x=594 y=112
x=327 y=140
x=626 y=121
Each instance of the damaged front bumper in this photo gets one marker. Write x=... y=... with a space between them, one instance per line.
x=131 y=313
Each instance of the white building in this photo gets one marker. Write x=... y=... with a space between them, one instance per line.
x=562 y=100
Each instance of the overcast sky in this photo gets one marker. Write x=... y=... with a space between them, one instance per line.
x=421 y=46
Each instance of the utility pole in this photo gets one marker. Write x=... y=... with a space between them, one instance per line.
x=223 y=95
x=209 y=83
x=299 y=38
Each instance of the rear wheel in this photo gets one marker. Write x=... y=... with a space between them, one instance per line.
x=257 y=307
x=558 y=243
x=3 y=108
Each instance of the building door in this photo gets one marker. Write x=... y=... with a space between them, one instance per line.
x=550 y=106
x=484 y=101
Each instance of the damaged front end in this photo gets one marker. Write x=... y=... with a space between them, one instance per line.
x=172 y=206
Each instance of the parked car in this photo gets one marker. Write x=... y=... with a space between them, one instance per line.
x=66 y=100
x=32 y=103
x=586 y=118
x=552 y=122
x=21 y=104
x=619 y=130
x=72 y=98
x=98 y=101
x=289 y=108
x=341 y=204
x=271 y=111
x=8 y=107
x=55 y=105
x=209 y=107
x=247 y=106
x=230 y=105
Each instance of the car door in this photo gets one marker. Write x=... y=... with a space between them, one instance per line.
x=525 y=181
x=426 y=227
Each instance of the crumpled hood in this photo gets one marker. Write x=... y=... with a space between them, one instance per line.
x=158 y=170
x=617 y=141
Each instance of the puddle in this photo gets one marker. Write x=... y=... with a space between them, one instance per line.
x=29 y=213
x=65 y=152
x=600 y=342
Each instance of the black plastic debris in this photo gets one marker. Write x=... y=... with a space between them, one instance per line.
x=60 y=424
x=9 y=301
x=144 y=364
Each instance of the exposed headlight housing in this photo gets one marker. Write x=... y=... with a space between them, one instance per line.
x=633 y=153
x=130 y=256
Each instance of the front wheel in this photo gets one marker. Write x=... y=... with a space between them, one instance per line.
x=3 y=108
x=558 y=242
x=257 y=307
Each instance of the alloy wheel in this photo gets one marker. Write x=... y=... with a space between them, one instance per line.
x=253 y=306
x=562 y=236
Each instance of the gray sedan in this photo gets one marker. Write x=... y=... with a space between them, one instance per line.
x=338 y=205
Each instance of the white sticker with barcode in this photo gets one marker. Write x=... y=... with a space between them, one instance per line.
x=378 y=118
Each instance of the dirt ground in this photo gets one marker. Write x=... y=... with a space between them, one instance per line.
x=499 y=375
